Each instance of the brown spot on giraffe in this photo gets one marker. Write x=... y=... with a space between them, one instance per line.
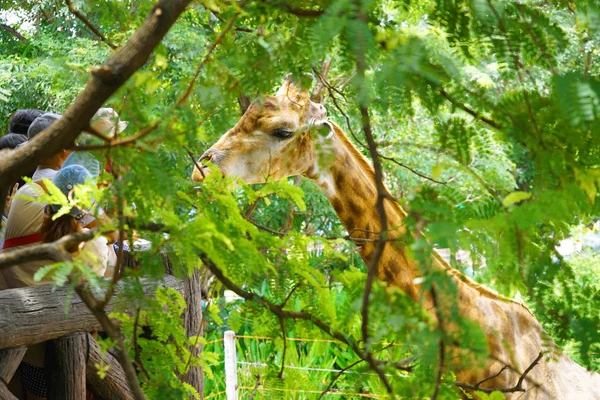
x=283 y=136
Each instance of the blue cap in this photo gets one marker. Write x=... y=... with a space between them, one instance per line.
x=86 y=160
x=66 y=179
x=41 y=123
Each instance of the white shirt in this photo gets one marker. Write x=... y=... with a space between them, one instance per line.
x=44 y=173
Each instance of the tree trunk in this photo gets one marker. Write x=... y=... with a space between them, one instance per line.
x=193 y=326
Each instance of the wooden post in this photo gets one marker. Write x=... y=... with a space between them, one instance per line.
x=65 y=367
x=193 y=326
x=9 y=362
x=5 y=394
x=230 y=366
x=115 y=385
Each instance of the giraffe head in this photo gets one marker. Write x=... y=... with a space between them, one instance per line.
x=278 y=137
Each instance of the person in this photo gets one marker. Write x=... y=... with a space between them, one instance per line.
x=20 y=120
x=12 y=141
x=48 y=168
x=26 y=215
x=26 y=218
x=97 y=254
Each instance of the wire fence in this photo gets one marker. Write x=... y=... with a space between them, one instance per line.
x=235 y=368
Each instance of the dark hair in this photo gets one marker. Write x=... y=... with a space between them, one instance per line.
x=12 y=140
x=53 y=230
x=21 y=119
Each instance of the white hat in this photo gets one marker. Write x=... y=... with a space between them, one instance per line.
x=106 y=121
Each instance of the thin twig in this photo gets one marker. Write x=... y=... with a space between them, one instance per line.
x=295 y=315
x=414 y=171
x=337 y=376
x=198 y=166
x=517 y=388
x=382 y=195
x=136 y=348
x=442 y=345
x=255 y=390
x=212 y=47
x=123 y=142
x=519 y=67
x=282 y=325
x=89 y=24
x=94 y=132
x=469 y=110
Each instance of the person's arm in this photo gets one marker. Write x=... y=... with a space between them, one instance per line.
x=9 y=198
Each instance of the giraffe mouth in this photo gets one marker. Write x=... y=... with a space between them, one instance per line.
x=201 y=171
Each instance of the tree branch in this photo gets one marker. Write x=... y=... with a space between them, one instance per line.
x=114 y=333
x=14 y=32
x=517 y=388
x=442 y=345
x=337 y=376
x=212 y=47
x=382 y=195
x=56 y=251
x=321 y=85
x=468 y=110
x=283 y=335
x=296 y=315
x=519 y=68
x=89 y=24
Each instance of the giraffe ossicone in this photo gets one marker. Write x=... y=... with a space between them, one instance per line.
x=288 y=134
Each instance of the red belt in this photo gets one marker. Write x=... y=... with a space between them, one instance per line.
x=22 y=240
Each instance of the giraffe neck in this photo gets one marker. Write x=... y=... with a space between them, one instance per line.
x=349 y=184
x=514 y=336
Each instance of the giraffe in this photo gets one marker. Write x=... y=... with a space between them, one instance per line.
x=289 y=135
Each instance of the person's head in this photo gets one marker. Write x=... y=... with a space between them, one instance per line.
x=12 y=141
x=20 y=121
x=40 y=124
x=66 y=179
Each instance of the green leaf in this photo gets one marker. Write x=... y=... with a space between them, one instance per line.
x=515 y=197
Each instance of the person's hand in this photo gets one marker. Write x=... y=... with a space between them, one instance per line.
x=10 y=197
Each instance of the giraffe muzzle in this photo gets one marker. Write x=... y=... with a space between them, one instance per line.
x=201 y=171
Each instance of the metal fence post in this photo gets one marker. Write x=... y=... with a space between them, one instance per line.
x=231 y=385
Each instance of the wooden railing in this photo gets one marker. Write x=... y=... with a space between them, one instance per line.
x=33 y=315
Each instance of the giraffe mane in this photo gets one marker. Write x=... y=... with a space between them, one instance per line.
x=368 y=168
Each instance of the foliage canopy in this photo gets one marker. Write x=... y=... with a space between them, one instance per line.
x=492 y=103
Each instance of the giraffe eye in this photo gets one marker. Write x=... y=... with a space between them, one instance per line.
x=283 y=133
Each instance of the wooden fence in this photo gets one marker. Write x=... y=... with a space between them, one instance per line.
x=33 y=315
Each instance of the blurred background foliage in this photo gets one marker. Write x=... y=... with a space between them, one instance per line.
x=484 y=110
